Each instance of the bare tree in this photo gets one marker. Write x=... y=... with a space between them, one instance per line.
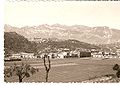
x=46 y=60
x=47 y=67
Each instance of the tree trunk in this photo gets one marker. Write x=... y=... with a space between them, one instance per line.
x=47 y=68
x=20 y=79
x=46 y=76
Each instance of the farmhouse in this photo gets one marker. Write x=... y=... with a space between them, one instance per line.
x=23 y=55
x=62 y=54
x=97 y=55
x=17 y=55
x=74 y=54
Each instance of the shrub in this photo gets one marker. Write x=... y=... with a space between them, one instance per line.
x=117 y=68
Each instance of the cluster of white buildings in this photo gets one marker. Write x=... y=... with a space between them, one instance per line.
x=66 y=53
x=105 y=54
x=61 y=53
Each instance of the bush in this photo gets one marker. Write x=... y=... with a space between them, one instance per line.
x=118 y=74
x=117 y=68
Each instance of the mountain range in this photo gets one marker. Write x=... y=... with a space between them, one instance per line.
x=58 y=32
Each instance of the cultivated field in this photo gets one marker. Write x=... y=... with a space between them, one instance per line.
x=68 y=70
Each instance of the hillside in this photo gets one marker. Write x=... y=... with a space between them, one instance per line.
x=93 y=35
x=112 y=46
x=15 y=43
x=70 y=44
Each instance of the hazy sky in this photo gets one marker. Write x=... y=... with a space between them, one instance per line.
x=69 y=13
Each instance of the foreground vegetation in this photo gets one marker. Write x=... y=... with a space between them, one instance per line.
x=21 y=71
x=68 y=70
x=110 y=78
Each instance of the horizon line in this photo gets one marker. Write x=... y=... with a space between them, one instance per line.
x=62 y=25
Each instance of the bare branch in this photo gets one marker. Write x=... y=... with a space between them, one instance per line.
x=23 y=76
x=45 y=62
x=49 y=63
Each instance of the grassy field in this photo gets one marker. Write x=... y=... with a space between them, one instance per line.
x=68 y=70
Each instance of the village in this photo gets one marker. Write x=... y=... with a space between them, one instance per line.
x=67 y=53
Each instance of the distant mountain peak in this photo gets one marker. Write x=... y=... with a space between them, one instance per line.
x=93 y=35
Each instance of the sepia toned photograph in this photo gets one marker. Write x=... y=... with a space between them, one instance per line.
x=61 y=41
